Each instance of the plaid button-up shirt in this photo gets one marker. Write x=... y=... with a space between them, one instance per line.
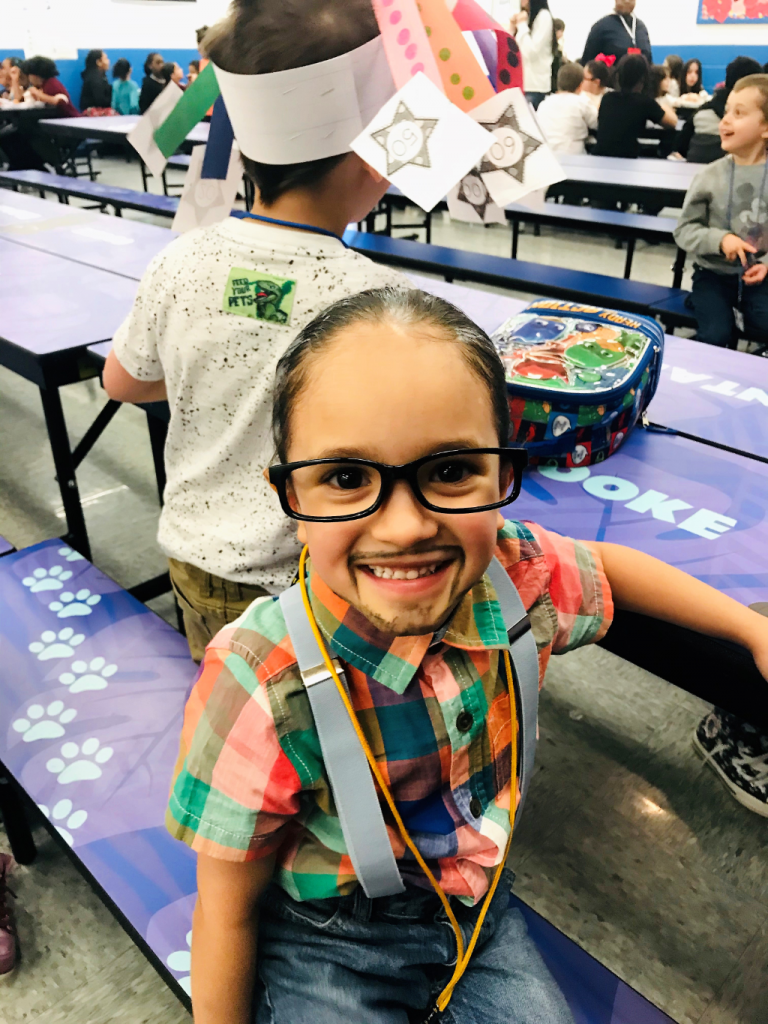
x=250 y=779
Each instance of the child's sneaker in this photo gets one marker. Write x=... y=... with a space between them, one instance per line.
x=7 y=930
x=738 y=753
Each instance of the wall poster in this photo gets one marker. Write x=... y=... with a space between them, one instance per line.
x=732 y=12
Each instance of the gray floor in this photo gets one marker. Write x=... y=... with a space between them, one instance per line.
x=628 y=844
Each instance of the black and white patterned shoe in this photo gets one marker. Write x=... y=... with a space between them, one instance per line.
x=738 y=753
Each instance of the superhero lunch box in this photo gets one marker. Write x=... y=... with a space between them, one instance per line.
x=579 y=378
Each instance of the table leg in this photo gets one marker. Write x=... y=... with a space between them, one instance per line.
x=16 y=825
x=144 y=175
x=63 y=461
x=678 y=268
x=515 y=236
x=428 y=226
x=630 y=257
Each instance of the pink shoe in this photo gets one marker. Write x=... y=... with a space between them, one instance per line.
x=7 y=929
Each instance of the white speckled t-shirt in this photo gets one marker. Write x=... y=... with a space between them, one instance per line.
x=213 y=314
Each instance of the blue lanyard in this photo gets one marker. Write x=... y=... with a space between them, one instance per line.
x=300 y=227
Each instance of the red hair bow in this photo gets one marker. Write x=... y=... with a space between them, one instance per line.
x=608 y=60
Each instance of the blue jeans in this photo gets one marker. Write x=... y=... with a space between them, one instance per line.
x=536 y=98
x=353 y=960
x=714 y=298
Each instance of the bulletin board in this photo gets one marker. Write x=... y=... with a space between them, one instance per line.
x=732 y=12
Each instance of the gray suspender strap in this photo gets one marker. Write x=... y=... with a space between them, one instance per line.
x=350 y=775
x=525 y=666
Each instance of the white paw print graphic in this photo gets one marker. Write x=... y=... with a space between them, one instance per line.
x=56 y=645
x=47 y=579
x=88 y=675
x=62 y=812
x=70 y=604
x=84 y=761
x=44 y=723
x=70 y=555
x=181 y=962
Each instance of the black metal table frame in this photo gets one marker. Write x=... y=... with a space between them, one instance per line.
x=50 y=373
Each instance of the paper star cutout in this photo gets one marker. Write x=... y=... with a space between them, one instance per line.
x=472 y=190
x=405 y=140
x=511 y=149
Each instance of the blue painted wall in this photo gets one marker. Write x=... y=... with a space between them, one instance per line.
x=70 y=70
x=714 y=59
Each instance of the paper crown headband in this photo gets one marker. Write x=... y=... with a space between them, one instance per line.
x=416 y=103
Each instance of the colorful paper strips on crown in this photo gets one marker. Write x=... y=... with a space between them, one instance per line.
x=507 y=70
x=464 y=81
x=405 y=41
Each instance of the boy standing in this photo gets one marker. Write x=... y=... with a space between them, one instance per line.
x=567 y=117
x=724 y=223
x=216 y=310
x=397 y=491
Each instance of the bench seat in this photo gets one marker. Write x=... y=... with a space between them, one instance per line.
x=93 y=689
x=554 y=282
x=104 y=195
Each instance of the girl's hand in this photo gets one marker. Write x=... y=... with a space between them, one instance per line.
x=755 y=274
x=734 y=247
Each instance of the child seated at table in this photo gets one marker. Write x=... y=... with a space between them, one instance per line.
x=624 y=113
x=391 y=422
x=567 y=117
x=189 y=338
x=724 y=223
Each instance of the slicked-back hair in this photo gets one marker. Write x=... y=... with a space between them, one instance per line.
x=405 y=308
x=277 y=35
x=43 y=67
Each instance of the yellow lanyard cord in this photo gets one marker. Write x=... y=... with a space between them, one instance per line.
x=462 y=959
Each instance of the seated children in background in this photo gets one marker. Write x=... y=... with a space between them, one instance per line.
x=624 y=113
x=193 y=71
x=692 y=91
x=659 y=83
x=566 y=117
x=724 y=223
x=595 y=84
x=401 y=598
x=173 y=72
x=674 y=65
x=153 y=83
x=125 y=93
x=96 y=91
x=190 y=337
x=46 y=87
x=699 y=141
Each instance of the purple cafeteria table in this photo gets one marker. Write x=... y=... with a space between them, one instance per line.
x=715 y=395
x=691 y=505
x=93 y=688
x=107 y=129
x=115 y=244
x=51 y=310
x=710 y=394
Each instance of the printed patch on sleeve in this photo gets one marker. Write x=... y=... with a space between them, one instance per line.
x=261 y=296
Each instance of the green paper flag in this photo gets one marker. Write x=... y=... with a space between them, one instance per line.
x=189 y=111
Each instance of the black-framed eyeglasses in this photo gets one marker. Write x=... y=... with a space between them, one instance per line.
x=455 y=482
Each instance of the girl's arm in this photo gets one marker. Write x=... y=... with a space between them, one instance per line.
x=224 y=931
x=640 y=583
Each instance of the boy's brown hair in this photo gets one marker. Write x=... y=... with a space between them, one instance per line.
x=759 y=82
x=570 y=77
x=277 y=35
